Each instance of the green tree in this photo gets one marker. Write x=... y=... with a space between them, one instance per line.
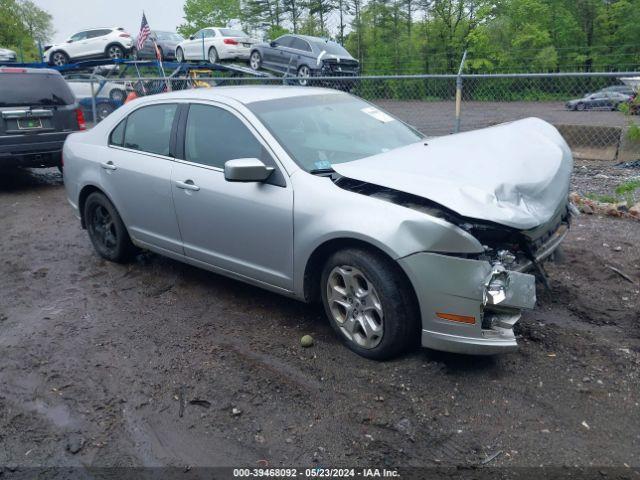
x=206 y=13
x=22 y=23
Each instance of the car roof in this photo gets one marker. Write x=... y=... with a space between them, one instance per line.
x=248 y=93
x=311 y=39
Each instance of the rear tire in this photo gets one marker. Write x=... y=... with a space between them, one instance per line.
x=115 y=52
x=213 y=55
x=369 y=303
x=179 y=55
x=255 y=60
x=117 y=95
x=106 y=230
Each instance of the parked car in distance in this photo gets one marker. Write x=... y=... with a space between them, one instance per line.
x=305 y=57
x=213 y=44
x=80 y=84
x=624 y=89
x=403 y=241
x=599 y=101
x=166 y=41
x=110 y=42
x=7 y=55
x=37 y=112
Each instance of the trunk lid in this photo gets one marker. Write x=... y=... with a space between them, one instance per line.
x=515 y=174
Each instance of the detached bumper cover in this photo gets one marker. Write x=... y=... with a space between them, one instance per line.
x=490 y=299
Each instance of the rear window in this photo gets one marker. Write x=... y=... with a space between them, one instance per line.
x=25 y=89
x=333 y=48
x=229 y=32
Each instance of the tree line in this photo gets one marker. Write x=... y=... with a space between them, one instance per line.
x=22 y=26
x=430 y=36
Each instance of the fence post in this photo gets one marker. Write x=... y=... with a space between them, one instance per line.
x=93 y=104
x=459 y=93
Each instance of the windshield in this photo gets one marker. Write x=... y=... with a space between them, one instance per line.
x=228 y=32
x=333 y=48
x=319 y=131
x=169 y=37
x=28 y=89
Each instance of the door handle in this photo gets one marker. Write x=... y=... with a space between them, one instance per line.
x=108 y=165
x=188 y=185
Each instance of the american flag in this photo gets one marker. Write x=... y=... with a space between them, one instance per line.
x=145 y=31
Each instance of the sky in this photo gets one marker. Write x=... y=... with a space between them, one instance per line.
x=71 y=16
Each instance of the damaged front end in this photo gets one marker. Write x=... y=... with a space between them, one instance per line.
x=470 y=303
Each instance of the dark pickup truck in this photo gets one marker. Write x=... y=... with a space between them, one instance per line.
x=37 y=112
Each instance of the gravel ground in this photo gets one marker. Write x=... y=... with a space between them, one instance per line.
x=437 y=118
x=157 y=363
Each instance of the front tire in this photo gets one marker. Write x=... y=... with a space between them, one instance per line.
x=58 y=59
x=106 y=230
x=369 y=303
x=304 y=73
x=580 y=107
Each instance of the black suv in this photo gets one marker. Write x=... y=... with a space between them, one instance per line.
x=37 y=112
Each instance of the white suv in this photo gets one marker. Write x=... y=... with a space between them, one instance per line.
x=113 y=42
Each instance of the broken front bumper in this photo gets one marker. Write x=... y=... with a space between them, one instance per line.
x=468 y=306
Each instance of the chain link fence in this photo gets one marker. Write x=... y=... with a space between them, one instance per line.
x=595 y=113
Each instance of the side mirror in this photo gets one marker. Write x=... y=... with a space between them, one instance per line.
x=191 y=37
x=273 y=44
x=246 y=170
x=70 y=40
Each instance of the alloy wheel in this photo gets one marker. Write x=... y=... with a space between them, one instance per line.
x=115 y=52
x=59 y=59
x=103 y=229
x=213 y=55
x=179 y=55
x=303 y=75
x=355 y=306
x=254 y=61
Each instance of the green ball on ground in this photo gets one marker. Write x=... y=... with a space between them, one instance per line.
x=306 y=341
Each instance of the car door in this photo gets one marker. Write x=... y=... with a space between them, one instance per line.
x=274 y=53
x=136 y=174
x=97 y=40
x=245 y=228
x=76 y=45
x=300 y=50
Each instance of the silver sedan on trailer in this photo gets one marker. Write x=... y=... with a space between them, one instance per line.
x=321 y=196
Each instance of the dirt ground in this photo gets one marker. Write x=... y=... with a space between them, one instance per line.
x=158 y=363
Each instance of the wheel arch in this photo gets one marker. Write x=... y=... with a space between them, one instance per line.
x=85 y=191
x=115 y=44
x=315 y=262
x=58 y=50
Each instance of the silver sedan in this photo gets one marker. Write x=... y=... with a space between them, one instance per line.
x=321 y=196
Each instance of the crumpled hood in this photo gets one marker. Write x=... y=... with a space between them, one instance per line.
x=516 y=174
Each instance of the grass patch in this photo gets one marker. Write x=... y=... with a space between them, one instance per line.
x=625 y=192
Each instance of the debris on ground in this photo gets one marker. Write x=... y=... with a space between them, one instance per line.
x=200 y=403
x=74 y=444
x=306 y=341
x=589 y=206
x=491 y=457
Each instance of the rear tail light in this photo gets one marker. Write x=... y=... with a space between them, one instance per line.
x=125 y=35
x=230 y=41
x=82 y=124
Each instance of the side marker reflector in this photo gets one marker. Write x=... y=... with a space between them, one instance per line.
x=457 y=318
